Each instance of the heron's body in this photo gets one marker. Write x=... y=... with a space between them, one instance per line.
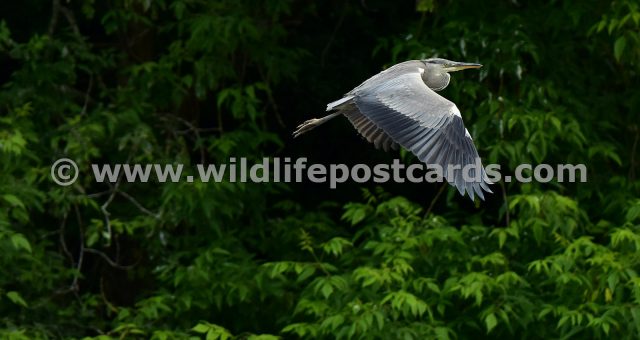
x=399 y=106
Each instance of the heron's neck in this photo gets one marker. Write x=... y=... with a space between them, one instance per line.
x=436 y=79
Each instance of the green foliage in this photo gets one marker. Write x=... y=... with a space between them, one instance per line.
x=417 y=276
x=188 y=82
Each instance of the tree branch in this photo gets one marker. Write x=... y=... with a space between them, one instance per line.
x=111 y=262
x=433 y=202
x=139 y=206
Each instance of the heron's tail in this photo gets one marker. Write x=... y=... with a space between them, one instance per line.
x=334 y=105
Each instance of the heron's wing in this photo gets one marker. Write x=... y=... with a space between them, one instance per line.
x=425 y=123
x=370 y=131
x=365 y=127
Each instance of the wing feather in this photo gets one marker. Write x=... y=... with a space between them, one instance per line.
x=368 y=129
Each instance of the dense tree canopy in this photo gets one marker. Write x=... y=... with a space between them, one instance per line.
x=195 y=81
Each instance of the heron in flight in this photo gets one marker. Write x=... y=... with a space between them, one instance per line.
x=400 y=106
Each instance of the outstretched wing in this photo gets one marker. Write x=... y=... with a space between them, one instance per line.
x=365 y=127
x=425 y=123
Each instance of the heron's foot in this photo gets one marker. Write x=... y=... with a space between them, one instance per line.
x=306 y=126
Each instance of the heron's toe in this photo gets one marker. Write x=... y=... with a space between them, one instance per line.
x=304 y=127
x=310 y=122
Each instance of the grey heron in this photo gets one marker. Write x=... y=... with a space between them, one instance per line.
x=400 y=106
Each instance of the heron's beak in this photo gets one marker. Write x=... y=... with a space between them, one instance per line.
x=460 y=66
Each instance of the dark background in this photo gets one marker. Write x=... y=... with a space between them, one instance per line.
x=192 y=81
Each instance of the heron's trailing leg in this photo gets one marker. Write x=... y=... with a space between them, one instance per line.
x=312 y=123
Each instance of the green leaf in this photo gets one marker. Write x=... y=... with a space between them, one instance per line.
x=13 y=200
x=442 y=333
x=425 y=5
x=263 y=337
x=633 y=212
x=326 y=290
x=490 y=321
x=618 y=47
x=16 y=298
x=355 y=212
x=200 y=328
x=502 y=238
x=20 y=242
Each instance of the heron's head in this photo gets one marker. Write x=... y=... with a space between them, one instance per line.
x=448 y=65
